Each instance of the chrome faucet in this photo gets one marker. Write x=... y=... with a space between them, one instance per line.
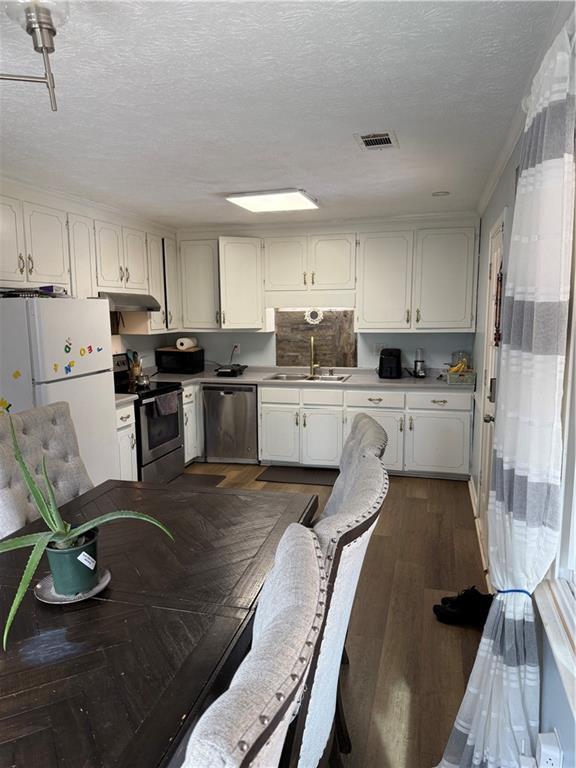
x=313 y=365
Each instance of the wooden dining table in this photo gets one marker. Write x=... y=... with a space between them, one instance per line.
x=118 y=681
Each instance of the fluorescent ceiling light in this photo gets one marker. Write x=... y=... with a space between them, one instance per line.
x=274 y=200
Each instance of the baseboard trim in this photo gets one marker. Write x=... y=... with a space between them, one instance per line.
x=484 y=555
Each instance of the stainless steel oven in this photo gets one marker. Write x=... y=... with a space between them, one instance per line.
x=160 y=437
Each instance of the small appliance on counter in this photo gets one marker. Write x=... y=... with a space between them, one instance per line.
x=419 y=369
x=177 y=360
x=390 y=364
x=232 y=370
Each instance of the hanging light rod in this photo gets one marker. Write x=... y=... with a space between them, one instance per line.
x=37 y=19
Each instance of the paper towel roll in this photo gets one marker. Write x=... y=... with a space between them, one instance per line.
x=186 y=343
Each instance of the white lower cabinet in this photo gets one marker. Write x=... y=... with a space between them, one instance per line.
x=437 y=442
x=190 y=412
x=128 y=461
x=321 y=436
x=393 y=422
x=280 y=433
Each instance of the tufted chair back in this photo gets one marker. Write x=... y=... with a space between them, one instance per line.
x=344 y=536
x=41 y=432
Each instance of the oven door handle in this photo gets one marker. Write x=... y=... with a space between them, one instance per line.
x=147 y=402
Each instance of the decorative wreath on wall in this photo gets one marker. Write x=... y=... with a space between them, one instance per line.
x=313 y=316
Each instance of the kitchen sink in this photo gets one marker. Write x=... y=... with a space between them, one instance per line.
x=335 y=377
x=304 y=377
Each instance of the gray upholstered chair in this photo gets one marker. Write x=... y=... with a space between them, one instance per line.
x=344 y=535
x=46 y=432
x=247 y=725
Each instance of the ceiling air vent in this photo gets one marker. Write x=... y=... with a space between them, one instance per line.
x=376 y=140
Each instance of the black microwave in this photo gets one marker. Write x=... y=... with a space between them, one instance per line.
x=174 y=360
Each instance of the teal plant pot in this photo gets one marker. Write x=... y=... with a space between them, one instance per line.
x=75 y=570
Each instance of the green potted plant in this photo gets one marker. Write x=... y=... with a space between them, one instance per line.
x=72 y=551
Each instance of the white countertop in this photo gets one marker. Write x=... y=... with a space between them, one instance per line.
x=358 y=378
x=125 y=399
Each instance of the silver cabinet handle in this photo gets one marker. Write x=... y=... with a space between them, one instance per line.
x=304 y=419
x=411 y=424
x=121 y=270
x=127 y=275
x=21 y=264
x=186 y=418
x=132 y=442
x=305 y=283
x=30 y=264
x=125 y=418
x=418 y=315
x=217 y=317
x=401 y=424
x=163 y=316
x=169 y=317
x=223 y=318
x=188 y=395
x=313 y=278
x=488 y=419
x=297 y=419
x=407 y=317
x=439 y=402
x=375 y=399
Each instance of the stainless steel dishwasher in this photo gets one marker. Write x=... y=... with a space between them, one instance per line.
x=230 y=423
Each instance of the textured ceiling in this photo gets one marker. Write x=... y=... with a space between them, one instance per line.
x=164 y=107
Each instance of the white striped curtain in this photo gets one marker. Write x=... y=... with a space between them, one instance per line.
x=499 y=715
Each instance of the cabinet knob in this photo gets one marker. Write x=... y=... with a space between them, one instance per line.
x=303 y=419
x=125 y=418
x=375 y=399
x=121 y=271
x=297 y=419
x=217 y=317
x=305 y=282
x=186 y=418
x=169 y=317
x=313 y=278
x=418 y=315
x=411 y=424
x=401 y=424
x=127 y=275
x=439 y=402
x=223 y=318
x=30 y=264
x=488 y=419
x=407 y=317
x=163 y=316
x=21 y=264
x=132 y=442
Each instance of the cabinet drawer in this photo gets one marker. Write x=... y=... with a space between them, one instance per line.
x=313 y=396
x=365 y=398
x=442 y=401
x=279 y=395
x=124 y=416
x=188 y=394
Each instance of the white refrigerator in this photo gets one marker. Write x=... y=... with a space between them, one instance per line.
x=61 y=349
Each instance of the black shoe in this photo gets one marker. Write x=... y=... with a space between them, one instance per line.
x=470 y=607
x=460 y=597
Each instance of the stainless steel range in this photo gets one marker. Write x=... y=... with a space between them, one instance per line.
x=159 y=424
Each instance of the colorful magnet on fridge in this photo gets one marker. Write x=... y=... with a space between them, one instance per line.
x=68 y=345
x=16 y=374
x=82 y=351
x=72 y=363
x=90 y=350
x=67 y=369
x=55 y=367
x=5 y=405
x=98 y=349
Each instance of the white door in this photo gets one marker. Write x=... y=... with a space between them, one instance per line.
x=321 y=436
x=437 y=442
x=12 y=247
x=393 y=422
x=385 y=281
x=173 y=287
x=285 y=264
x=156 y=280
x=135 y=260
x=241 y=284
x=127 y=459
x=200 y=290
x=280 y=433
x=190 y=446
x=444 y=279
x=332 y=262
x=81 y=237
x=47 y=254
x=109 y=255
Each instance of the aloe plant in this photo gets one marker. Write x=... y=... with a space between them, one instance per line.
x=60 y=534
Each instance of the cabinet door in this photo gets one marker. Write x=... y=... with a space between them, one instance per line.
x=81 y=235
x=12 y=248
x=156 y=280
x=127 y=453
x=241 y=286
x=385 y=280
x=200 y=291
x=280 y=433
x=438 y=442
x=332 y=262
x=444 y=279
x=285 y=264
x=109 y=255
x=190 y=442
x=321 y=436
x=393 y=422
x=135 y=260
x=173 y=288
x=47 y=254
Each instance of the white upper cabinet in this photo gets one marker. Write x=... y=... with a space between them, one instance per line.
x=135 y=260
x=173 y=286
x=332 y=262
x=200 y=290
x=109 y=255
x=286 y=263
x=47 y=254
x=12 y=248
x=81 y=234
x=241 y=283
x=385 y=281
x=444 y=279
x=156 y=280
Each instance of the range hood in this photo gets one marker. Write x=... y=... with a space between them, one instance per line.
x=130 y=302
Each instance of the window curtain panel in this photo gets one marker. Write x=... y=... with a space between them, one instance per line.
x=499 y=716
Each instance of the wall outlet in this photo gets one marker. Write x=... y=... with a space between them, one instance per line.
x=237 y=349
x=548 y=751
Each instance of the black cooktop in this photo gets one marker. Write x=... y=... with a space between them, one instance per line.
x=154 y=388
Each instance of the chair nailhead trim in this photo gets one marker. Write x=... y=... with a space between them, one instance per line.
x=264 y=719
x=242 y=746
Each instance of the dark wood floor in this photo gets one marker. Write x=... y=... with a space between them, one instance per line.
x=407 y=672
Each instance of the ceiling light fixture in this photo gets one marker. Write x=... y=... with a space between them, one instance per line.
x=274 y=200
x=38 y=20
x=441 y=193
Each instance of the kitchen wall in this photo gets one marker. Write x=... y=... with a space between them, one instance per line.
x=255 y=348
x=437 y=347
x=144 y=345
